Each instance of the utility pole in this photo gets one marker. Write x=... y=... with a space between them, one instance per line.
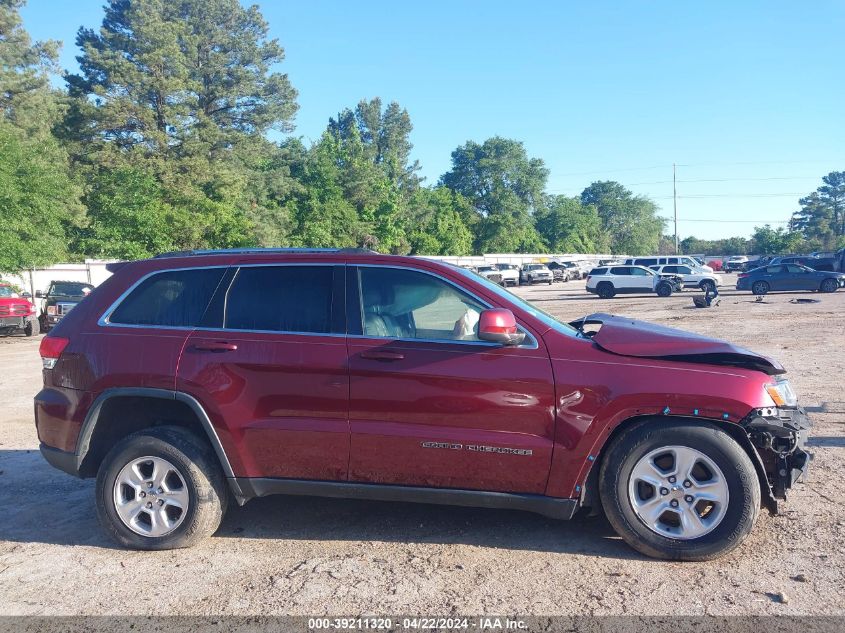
x=675 y=203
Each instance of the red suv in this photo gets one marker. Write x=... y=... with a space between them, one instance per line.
x=192 y=378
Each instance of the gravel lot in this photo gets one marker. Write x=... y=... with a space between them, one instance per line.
x=306 y=556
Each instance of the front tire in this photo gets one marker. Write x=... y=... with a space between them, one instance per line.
x=32 y=327
x=679 y=490
x=160 y=488
x=829 y=285
x=707 y=285
x=664 y=289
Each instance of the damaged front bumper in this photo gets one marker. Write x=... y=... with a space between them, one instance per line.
x=779 y=436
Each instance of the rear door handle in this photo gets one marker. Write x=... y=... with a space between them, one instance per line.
x=217 y=346
x=384 y=355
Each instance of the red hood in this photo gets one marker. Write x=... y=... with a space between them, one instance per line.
x=629 y=337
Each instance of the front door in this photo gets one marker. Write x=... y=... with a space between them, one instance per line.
x=431 y=404
x=271 y=363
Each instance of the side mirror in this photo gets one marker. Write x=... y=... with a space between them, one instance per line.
x=39 y=294
x=498 y=325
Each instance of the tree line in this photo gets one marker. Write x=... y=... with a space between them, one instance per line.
x=160 y=142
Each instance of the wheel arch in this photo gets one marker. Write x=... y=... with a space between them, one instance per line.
x=144 y=407
x=590 y=492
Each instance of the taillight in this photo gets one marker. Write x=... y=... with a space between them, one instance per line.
x=51 y=349
x=588 y=277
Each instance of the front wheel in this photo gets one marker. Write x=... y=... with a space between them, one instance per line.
x=664 y=289
x=760 y=288
x=679 y=490
x=829 y=285
x=32 y=327
x=708 y=285
x=161 y=488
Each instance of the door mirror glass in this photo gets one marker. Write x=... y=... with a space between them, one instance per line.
x=498 y=325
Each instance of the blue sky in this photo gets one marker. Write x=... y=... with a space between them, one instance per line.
x=746 y=97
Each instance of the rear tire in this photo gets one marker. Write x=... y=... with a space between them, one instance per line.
x=707 y=284
x=606 y=290
x=829 y=285
x=715 y=482
x=129 y=482
x=759 y=288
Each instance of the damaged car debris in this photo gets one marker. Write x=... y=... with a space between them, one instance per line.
x=778 y=434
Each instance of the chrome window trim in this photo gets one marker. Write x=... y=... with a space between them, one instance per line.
x=533 y=341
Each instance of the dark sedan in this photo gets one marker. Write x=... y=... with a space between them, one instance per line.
x=788 y=277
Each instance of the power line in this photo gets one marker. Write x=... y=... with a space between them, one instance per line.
x=666 y=182
x=729 y=221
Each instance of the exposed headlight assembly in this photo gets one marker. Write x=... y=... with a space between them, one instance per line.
x=781 y=393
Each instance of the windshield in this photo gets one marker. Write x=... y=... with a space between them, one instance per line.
x=542 y=315
x=485 y=269
x=7 y=293
x=70 y=289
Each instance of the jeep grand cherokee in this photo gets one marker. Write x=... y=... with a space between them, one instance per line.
x=191 y=378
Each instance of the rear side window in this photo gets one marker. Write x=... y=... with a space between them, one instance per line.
x=652 y=261
x=620 y=270
x=598 y=271
x=176 y=298
x=281 y=299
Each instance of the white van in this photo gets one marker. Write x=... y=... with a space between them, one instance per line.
x=663 y=260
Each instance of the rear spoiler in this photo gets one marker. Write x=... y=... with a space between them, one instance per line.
x=113 y=267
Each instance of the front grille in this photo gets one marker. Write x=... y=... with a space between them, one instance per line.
x=14 y=310
x=64 y=308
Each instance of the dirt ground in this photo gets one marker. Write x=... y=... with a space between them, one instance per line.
x=304 y=556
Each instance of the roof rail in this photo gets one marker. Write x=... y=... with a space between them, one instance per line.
x=258 y=251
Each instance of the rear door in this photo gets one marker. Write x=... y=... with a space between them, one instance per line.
x=431 y=404
x=777 y=277
x=641 y=280
x=269 y=365
x=621 y=279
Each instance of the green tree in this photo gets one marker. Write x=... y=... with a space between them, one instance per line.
x=185 y=91
x=632 y=221
x=438 y=228
x=821 y=217
x=38 y=200
x=180 y=78
x=131 y=215
x=385 y=136
x=25 y=96
x=769 y=241
x=568 y=226
x=505 y=187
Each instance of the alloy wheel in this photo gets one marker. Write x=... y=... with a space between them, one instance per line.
x=678 y=492
x=151 y=496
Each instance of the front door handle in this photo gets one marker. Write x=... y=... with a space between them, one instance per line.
x=217 y=346
x=383 y=355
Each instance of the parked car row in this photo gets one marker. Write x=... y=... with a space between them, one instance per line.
x=534 y=273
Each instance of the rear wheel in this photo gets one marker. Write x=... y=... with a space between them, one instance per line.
x=760 y=288
x=829 y=285
x=161 y=488
x=606 y=290
x=679 y=490
x=707 y=285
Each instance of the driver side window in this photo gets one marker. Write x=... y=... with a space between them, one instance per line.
x=399 y=303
